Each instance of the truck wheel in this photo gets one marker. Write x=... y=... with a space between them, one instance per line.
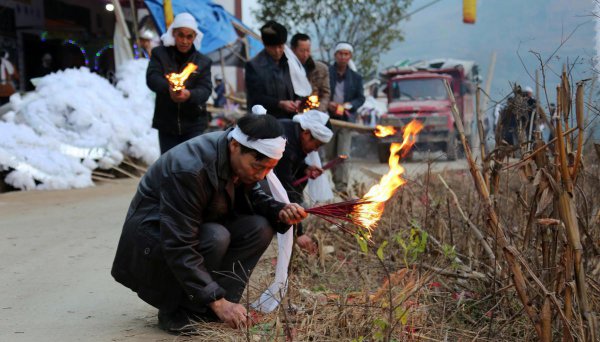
x=383 y=152
x=451 y=148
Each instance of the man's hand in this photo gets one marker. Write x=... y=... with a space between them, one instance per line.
x=233 y=314
x=332 y=107
x=292 y=213
x=313 y=172
x=307 y=244
x=289 y=106
x=180 y=95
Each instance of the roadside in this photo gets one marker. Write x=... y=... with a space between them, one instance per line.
x=56 y=250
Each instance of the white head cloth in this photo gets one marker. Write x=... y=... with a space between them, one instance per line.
x=315 y=121
x=347 y=47
x=272 y=148
x=182 y=20
x=300 y=82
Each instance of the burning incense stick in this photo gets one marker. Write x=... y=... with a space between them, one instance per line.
x=367 y=211
x=332 y=163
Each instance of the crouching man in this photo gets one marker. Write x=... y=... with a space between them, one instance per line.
x=305 y=133
x=199 y=223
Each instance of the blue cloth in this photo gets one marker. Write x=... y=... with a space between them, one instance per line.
x=213 y=20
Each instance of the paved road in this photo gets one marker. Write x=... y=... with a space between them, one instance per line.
x=56 y=250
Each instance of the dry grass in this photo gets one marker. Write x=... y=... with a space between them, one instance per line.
x=435 y=294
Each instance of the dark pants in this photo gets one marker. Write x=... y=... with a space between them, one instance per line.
x=167 y=140
x=230 y=253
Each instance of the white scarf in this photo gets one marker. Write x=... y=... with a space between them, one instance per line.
x=272 y=296
x=300 y=82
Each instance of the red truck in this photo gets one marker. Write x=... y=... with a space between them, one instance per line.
x=417 y=92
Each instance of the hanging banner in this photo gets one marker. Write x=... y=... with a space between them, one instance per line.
x=469 y=11
x=168 y=8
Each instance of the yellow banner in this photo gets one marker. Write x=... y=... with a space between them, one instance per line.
x=469 y=11
x=168 y=12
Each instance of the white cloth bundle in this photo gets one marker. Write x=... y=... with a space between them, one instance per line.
x=319 y=188
x=182 y=20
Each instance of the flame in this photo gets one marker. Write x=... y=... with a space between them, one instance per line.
x=368 y=214
x=177 y=80
x=312 y=102
x=384 y=131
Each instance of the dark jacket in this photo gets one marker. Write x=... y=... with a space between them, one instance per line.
x=179 y=118
x=353 y=88
x=189 y=185
x=292 y=166
x=267 y=83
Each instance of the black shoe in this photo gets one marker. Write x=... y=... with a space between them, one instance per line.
x=176 y=322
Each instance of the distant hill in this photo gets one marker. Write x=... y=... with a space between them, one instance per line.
x=509 y=27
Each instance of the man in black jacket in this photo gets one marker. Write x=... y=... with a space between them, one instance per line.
x=305 y=133
x=268 y=81
x=199 y=223
x=179 y=115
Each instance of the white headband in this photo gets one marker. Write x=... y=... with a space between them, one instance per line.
x=344 y=46
x=347 y=47
x=182 y=20
x=272 y=148
x=315 y=121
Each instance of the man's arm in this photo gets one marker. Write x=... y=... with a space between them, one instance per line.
x=358 y=96
x=182 y=203
x=201 y=89
x=155 y=75
x=284 y=171
x=322 y=72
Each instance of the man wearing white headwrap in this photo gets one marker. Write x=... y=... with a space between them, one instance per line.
x=199 y=223
x=347 y=93
x=179 y=115
x=305 y=133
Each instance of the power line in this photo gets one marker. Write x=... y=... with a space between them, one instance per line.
x=419 y=9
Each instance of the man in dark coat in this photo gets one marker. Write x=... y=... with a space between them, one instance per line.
x=347 y=93
x=305 y=133
x=268 y=81
x=199 y=223
x=179 y=115
x=316 y=71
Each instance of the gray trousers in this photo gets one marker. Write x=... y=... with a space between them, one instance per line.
x=340 y=144
x=230 y=253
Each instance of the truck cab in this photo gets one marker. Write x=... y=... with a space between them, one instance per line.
x=421 y=94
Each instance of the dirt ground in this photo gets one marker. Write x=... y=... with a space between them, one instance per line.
x=56 y=251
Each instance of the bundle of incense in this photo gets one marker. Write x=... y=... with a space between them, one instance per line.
x=332 y=163
x=338 y=213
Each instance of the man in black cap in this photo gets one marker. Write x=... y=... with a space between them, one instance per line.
x=268 y=80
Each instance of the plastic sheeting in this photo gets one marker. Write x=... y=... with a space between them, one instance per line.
x=213 y=20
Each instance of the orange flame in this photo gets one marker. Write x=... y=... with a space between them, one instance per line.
x=384 y=131
x=312 y=102
x=177 y=80
x=369 y=214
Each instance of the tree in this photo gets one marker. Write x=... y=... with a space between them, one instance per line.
x=369 y=25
